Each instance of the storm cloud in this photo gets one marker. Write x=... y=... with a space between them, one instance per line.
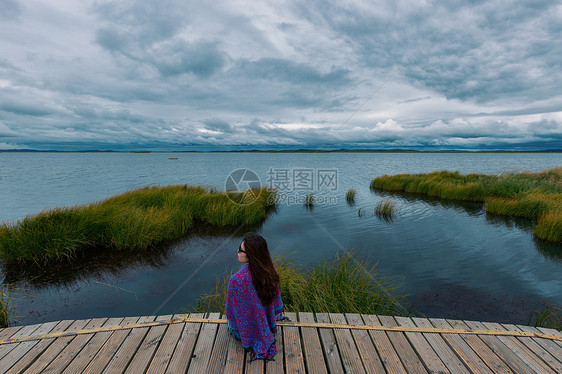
x=173 y=75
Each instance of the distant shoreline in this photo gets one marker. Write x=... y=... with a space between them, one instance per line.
x=282 y=151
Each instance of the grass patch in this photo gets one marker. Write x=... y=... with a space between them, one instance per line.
x=550 y=317
x=549 y=226
x=537 y=196
x=531 y=205
x=344 y=284
x=309 y=200
x=385 y=209
x=350 y=196
x=4 y=317
x=135 y=220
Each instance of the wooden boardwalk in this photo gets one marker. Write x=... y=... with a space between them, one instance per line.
x=196 y=347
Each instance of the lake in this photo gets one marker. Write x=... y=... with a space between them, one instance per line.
x=452 y=259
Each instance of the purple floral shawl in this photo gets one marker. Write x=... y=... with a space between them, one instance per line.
x=246 y=314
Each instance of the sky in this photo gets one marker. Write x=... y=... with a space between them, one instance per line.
x=173 y=75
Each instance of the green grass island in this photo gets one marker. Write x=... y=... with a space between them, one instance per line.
x=135 y=220
x=536 y=196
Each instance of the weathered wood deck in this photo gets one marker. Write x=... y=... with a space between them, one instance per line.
x=208 y=348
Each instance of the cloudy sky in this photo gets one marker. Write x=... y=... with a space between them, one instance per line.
x=188 y=75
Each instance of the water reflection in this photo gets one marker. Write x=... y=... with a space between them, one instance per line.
x=470 y=208
x=385 y=218
x=93 y=263
x=523 y=224
x=549 y=250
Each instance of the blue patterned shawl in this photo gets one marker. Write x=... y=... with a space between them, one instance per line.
x=248 y=319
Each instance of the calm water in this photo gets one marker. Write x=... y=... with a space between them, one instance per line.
x=453 y=260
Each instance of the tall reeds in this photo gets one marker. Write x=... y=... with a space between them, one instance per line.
x=344 y=284
x=350 y=196
x=535 y=196
x=385 y=209
x=309 y=201
x=549 y=317
x=549 y=226
x=135 y=220
x=4 y=317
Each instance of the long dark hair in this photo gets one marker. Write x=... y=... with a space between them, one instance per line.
x=264 y=276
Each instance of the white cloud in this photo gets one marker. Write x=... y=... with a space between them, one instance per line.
x=281 y=73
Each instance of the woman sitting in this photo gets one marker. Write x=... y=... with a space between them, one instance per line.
x=253 y=300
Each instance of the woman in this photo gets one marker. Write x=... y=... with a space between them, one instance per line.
x=253 y=300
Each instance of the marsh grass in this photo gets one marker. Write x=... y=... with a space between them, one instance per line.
x=344 y=284
x=350 y=196
x=135 y=220
x=549 y=226
x=385 y=209
x=536 y=196
x=549 y=317
x=309 y=201
x=531 y=205
x=4 y=317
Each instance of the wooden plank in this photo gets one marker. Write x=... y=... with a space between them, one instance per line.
x=163 y=355
x=371 y=361
x=217 y=361
x=328 y=339
x=551 y=348
x=254 y=367
x=346 y=345
x=144 y=353
x=235 y=356
x=109 y=348
x=276 y=365
x=55 y=348
x=441 y=348
x=461 y=348
x=520 y=350
x=431 y=360
x=551 y=332
x=72 y=349
x=388 y=355
x=203 y=348
x=494 y=362
x=22 y=348
x=510 y=358
x=312 y=348
x=294 y=362
x=39 y=346
x=407 y=355
x=24 y=331
x=126 y=351
x=184 y=349
x=84 y=357
x=8 y=332
x=533 y=345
